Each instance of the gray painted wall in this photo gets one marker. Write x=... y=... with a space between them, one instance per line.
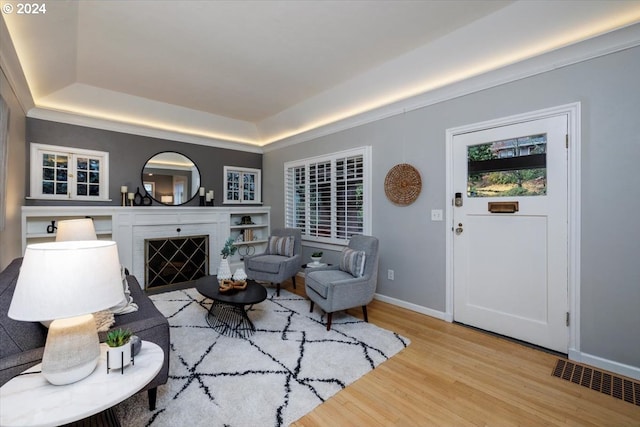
x=414 y=247
x=128 y=154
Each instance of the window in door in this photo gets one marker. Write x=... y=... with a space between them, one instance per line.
x=508 y=168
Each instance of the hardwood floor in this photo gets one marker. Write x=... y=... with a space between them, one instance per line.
x=451 y=375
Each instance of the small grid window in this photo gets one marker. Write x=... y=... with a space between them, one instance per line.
x=68 y=173
x=242 y=185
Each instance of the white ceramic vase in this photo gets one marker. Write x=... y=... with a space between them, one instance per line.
x=119 y=356
x=224 y=271
x=240 y=275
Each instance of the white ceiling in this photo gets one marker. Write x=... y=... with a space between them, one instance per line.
x=259 y=71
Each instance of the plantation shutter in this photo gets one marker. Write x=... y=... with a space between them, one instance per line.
x=326 y=198
x=349 y=197
x=320 y=206
x=295 y=197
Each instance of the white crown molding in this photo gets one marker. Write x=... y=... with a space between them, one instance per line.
x=10 y=66
x=92 y=122
x=615 y=41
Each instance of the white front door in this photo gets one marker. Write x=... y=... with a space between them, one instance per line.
x=510 y=249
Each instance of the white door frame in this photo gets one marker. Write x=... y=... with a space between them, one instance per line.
x=572 y=111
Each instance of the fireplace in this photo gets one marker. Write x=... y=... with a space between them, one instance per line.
x=172 y=260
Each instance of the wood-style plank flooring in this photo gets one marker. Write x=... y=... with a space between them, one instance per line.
x=451 y=375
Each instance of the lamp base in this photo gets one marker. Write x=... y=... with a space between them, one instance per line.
x=72 y=350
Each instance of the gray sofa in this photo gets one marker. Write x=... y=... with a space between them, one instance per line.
x=22 y=343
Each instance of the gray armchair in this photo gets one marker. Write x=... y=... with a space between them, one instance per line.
x=274 y=265
x=334 y=289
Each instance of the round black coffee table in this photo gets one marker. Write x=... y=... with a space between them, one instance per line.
x=227 y=314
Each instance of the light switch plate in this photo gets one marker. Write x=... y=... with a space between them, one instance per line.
x=436 y=215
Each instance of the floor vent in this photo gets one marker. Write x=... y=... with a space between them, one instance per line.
x=604 y=382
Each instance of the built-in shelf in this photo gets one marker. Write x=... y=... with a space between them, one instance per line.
x=252 y=236
x=130 y=226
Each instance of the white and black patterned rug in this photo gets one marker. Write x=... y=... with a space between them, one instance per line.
x=288 y=367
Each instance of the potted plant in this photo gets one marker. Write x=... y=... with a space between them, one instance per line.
x=119 y=351
x=224 y=270
x=316 y=257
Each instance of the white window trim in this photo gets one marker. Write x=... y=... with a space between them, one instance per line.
x=242 y=171
x=35 y=174
x=365 y=152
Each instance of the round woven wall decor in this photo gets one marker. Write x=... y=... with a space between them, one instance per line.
x=402 y=184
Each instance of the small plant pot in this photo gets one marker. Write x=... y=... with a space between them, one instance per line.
x=316 y=259
x=119 y=357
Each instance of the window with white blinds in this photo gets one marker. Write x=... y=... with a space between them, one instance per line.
x=327 y=197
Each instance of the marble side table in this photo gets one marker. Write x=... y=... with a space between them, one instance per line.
x=30 y=400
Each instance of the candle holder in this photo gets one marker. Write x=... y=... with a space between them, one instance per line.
x=123 y=192
x=201 y=200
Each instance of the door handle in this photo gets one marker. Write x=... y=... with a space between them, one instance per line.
x=459 y=229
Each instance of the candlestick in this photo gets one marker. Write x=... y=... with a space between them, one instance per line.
x=201 y=191
x=123 y=191
x=131 y=196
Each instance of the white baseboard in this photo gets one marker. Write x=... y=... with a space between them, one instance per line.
x=414 y=307
x=608 y=365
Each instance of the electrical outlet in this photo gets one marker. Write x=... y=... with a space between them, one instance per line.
x=390 y=274
x=436 y=214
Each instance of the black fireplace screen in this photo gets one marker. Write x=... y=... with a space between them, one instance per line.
x=175 y=260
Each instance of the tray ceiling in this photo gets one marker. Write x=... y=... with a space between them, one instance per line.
x=259 y=71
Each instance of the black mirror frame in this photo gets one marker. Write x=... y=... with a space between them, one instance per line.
x=189 y=196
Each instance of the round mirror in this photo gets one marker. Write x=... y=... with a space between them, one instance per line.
x=171 y=178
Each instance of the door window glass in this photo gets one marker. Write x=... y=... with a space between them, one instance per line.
x=508 y=168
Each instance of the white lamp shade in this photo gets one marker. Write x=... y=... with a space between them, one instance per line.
x=76 y=229
x=65 y=279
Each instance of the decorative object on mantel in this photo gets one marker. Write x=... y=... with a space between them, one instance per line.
x=209 y=198
x=52 y=228
x=120 y=351
x=131 y=197
x=170 y=166
x=137 y=199
x=123 y=190
x=202 y=196
x=224 y=271
x=402 y=184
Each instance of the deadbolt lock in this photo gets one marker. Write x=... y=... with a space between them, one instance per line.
x=459 y=230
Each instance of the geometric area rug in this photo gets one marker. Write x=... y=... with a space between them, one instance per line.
x=272 y=378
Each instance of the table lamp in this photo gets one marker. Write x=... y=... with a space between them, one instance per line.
x=76 y=229
x=66 y=282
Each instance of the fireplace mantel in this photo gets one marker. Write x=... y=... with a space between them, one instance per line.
x=130 y=226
